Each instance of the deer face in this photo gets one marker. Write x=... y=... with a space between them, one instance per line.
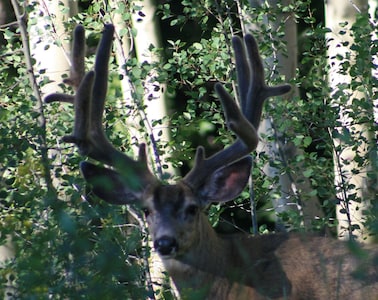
x=172 y=214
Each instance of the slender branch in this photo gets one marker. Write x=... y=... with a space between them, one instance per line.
x=343 y=186
x=7 y=25
x=252 y=202
x=21 y=21
x=145 y=257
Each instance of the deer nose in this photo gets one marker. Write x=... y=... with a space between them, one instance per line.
x=166 y=245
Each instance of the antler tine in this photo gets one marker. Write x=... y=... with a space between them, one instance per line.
x=257 y=90
x=242 y=121
x=89 y=102
x=78 y=55
x=101 y=69
x=77 y=69
x=243 y=71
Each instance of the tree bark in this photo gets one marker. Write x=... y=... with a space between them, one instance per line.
x=351 y=182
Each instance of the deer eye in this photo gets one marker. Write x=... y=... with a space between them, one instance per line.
x=146 y=212
x=191 y=210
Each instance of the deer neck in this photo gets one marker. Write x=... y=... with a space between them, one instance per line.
x=209 y=253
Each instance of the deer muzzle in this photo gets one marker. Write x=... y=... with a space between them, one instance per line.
x=166 y=246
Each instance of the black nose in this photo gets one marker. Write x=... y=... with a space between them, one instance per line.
x=166 y=245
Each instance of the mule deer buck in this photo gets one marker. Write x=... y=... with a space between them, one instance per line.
x=202 y=263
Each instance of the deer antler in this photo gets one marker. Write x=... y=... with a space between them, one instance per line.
x=243 y=121
x=88 y=133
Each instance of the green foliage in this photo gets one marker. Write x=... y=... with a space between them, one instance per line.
x=71 y=246
x=65 y=248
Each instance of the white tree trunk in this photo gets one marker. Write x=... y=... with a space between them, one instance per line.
x=290 y=185
x=50 y=47
x=49 y=42
x=373 y=6
x=123 y=52
x=147 y=33
x=7 y=253
x=350 y=179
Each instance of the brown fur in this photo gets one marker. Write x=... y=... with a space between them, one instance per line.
x=277 y=266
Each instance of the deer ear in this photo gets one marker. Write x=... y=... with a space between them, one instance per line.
x=108 y=185
x=226 y=183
